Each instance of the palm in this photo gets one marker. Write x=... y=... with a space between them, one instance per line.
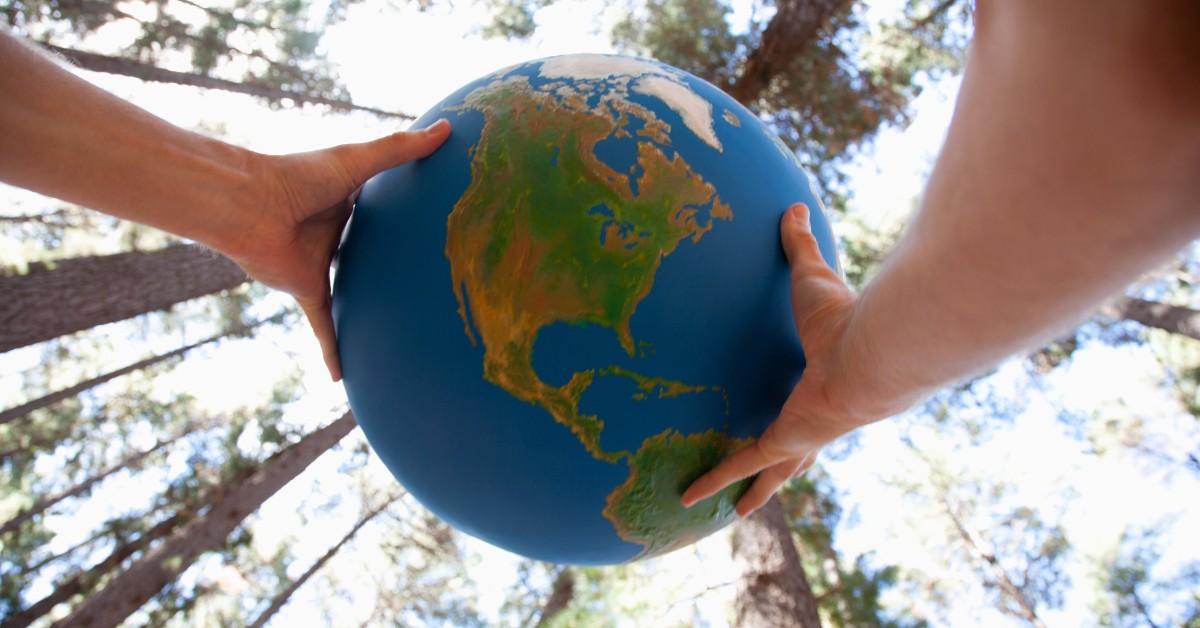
x=307 y=201
x=813 y=414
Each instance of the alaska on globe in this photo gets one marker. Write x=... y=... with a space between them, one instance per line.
x=575 y=307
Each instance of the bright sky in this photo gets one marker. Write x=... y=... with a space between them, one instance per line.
x=396 y=57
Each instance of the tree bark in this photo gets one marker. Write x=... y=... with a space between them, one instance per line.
x=17 y=412
x=795 y=26
x=561 y=594
x=282 y=597
x=125 y=593
x=74 y=294
x=772 y=591
x=149 y=72
x=1172 y=318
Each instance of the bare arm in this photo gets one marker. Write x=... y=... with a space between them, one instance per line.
x=278 y=216
x=1072 y=165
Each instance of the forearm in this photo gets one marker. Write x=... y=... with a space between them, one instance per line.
x=1072 y=166
x=63 y=137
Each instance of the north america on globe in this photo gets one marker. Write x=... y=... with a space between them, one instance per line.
x=612 y=276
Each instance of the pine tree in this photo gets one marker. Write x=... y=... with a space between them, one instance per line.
x=130 y=461
x=146 y=577
x=773 y=591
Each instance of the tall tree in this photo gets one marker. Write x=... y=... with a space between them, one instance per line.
x=773 y=591
x=16 y=412
x=85 y=581
x=51 y=300
x=146 y=577
x=285 y=594
x=130 y=461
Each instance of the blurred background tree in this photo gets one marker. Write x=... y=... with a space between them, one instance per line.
x=126 y=449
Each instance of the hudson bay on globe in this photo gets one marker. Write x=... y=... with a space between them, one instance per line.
x=576 y=306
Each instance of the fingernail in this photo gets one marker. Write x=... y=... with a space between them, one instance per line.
x=436 y=126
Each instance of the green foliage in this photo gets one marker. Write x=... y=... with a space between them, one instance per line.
x=276 y=42
x=694 y=35
x=847 y=595
x=1133 y=594
x=824 y=103
x=513 y=19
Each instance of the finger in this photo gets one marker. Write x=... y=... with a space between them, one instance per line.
x=320 y=318
x=799 y=244
x=816 y=288
x=742 y=464
x=365 y=160
x=805 y=465
x=765 y=486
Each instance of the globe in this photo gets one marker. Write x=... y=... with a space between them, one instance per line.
x=574 y=307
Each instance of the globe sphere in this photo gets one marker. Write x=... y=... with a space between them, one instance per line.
x=574 y=307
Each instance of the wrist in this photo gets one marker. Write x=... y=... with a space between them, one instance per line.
x=232 y=224
x=871 y=386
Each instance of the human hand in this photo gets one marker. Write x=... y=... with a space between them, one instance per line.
x=305 y=202
x=816 y=412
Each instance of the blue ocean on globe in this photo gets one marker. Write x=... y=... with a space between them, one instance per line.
x=576 y=306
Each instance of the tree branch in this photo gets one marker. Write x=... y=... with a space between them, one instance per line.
x=148 y=72
x=795 y=27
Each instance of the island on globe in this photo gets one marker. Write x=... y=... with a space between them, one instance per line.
x=575 y=307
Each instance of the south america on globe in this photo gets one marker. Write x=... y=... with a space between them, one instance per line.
x=574 y=307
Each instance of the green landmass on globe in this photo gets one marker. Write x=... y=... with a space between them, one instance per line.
x=548 y=233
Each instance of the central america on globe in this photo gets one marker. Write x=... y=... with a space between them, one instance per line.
x=574 y=307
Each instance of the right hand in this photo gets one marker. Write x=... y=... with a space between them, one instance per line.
x=816 y=412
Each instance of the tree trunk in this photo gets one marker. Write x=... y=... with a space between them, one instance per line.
x=772 y=590
x=795 y=26
x=1173 y=318
x=66 y=296
x=83 y=582
x=149 y=72
x=47 y=502
x=282 y=597
x=17 y=412
x=33 y=568
x=125 y=593
x=561 y=594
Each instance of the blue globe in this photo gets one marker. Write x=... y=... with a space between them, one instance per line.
x=576 y=306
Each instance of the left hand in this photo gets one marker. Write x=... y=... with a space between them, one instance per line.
x=306 y=200
x=816 y=412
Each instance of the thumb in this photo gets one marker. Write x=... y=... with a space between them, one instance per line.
x=816 y=288
x=369 y=158
x=799 y=244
